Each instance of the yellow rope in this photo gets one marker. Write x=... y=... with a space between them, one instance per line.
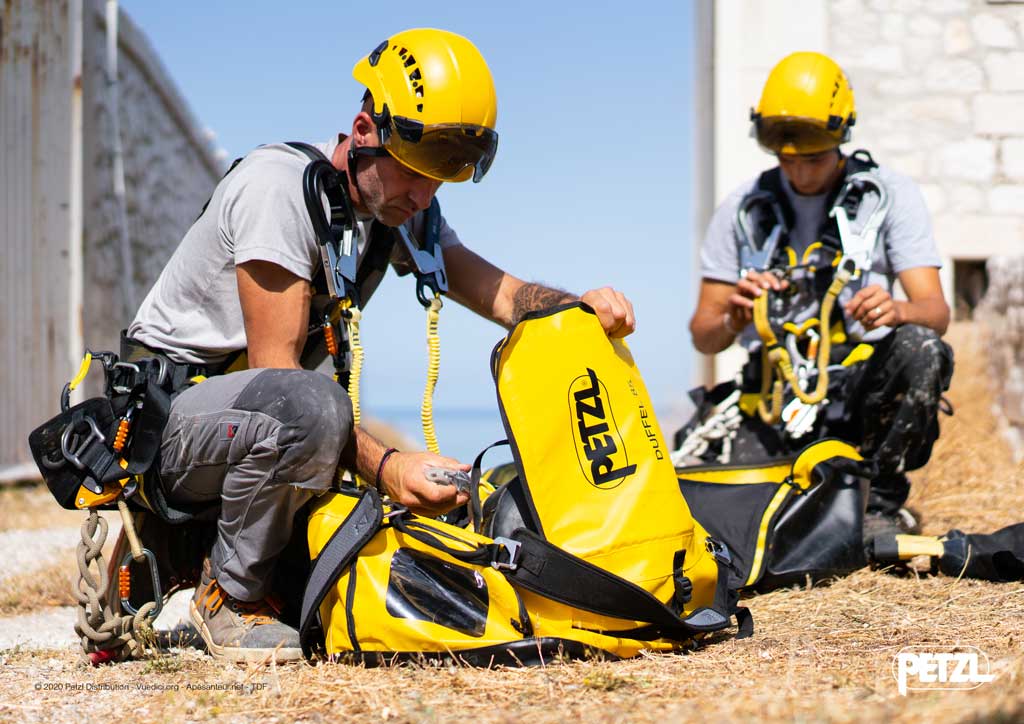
x=776 y=364
x=433 y=368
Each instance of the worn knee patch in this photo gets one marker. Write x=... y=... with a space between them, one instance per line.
x=315 y=417
x=925 y=355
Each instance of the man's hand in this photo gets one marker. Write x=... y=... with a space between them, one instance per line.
x=749 y=288
x=404 y=481
x=874 y=307
x=613 y=310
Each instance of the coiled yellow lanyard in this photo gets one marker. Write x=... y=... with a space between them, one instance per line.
x=433 y=370
x=352 y=317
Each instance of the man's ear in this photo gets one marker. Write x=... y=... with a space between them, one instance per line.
x=364 y=130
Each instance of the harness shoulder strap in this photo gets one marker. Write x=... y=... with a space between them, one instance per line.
x=771 y=181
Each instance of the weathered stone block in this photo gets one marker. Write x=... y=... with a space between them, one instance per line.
x=934 y=197
x=893 y=26
x=973 y=159
x=957 y=37
x=1006 y=199
x=1012 y=154
x=957 y=75
x=1005 y=71
x=925 y=26
x=1001 y=114
x=993 y=31
x=963 y=198
x=887 y=58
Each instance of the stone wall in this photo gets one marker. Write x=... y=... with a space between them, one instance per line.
x=940 y=97
x=1002 y=314
x=170 y=171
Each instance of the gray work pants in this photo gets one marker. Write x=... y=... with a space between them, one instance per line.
x=263 y=442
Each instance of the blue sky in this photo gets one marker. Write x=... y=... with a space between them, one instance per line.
x=592 y=181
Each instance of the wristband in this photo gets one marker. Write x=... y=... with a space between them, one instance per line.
x=727 y=323
x=380 y=468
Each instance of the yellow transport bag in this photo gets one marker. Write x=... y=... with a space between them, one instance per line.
x=606 y=558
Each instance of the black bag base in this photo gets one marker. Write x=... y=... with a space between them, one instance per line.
x=528 y=652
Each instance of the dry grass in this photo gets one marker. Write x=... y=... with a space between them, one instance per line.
x=819 y=654
x=32 y=508
x=46 y=586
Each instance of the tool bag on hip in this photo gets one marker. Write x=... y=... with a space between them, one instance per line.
x=787 y=519
x=607 y=557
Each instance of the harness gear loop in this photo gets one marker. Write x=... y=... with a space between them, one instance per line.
x=433 y=370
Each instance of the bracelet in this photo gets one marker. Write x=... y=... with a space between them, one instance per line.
x=727 y=323
x=380 y=468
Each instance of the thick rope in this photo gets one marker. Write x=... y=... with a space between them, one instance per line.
x=433 y=371
x=776 y=365
x=104 y=635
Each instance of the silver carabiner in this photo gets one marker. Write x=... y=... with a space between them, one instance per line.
x=124 y=584
x=860 y=247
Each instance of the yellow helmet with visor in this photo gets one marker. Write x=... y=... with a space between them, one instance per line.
x=806 y=106
x=433 y=102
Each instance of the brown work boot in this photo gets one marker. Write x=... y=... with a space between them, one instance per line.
x=240 y=631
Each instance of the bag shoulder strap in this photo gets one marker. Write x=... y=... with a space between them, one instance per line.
x=340 y=551
x=549 y=571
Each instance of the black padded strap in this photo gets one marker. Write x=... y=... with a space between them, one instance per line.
x=354 y=532
x=553 y=573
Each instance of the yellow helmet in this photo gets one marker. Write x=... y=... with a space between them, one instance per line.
x=433 y=102
x=806 y=106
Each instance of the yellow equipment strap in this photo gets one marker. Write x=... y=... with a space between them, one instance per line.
x=816 y=453
x=83 y=370
x=762 y=533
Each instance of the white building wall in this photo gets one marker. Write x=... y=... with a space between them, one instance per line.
x=939 y=88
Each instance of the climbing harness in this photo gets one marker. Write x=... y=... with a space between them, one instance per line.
x=795 y=357
x=338 y=242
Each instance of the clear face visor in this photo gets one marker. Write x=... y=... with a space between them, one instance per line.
x=799 y=136
x=443 y=152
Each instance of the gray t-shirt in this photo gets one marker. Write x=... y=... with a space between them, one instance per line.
x=905 y=241
x=257 y=212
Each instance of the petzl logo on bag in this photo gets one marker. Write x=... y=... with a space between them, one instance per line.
x=599 y=447
x=918 y=668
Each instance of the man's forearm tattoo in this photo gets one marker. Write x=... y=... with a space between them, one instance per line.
x=531 y=297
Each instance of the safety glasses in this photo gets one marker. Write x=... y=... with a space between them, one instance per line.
x=443 y=152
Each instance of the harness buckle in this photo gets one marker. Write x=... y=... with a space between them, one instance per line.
x=513 y=547
x=73 y=456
